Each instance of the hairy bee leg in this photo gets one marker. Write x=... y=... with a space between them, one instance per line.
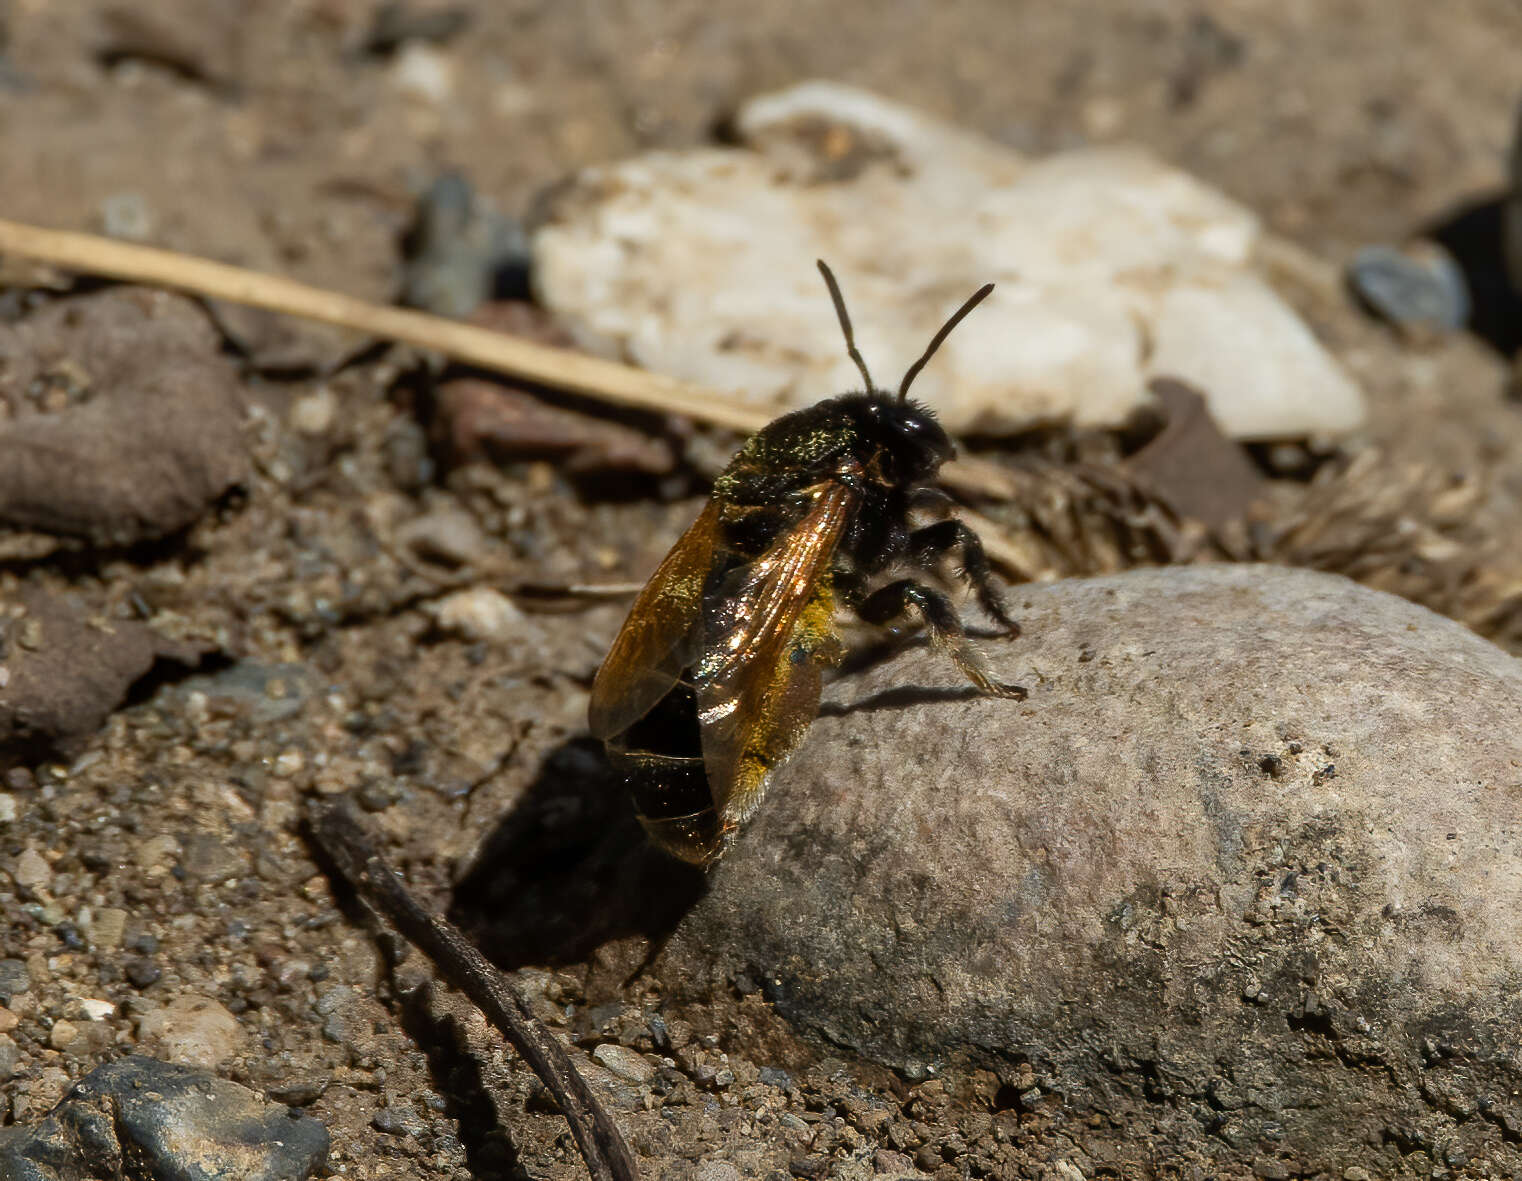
x=931 y=542
x=940 y=617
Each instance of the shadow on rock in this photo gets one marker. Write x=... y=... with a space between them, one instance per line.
x=1475 y=235
x=570 y=869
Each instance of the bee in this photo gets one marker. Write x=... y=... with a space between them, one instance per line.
x=715 y=676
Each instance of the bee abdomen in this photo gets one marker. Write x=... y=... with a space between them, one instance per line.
x=660 y=759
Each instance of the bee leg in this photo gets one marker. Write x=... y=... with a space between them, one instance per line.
x=932 y=497
x=930 y=543
x=945 y=626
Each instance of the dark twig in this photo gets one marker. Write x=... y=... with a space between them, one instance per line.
x=353 y=851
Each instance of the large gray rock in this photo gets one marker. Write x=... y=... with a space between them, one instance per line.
x=1244 y=872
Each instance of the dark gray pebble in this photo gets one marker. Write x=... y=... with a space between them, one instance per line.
x=774 y=1076
x=151 y=1121
x=14 y=979
x=462 y=253
x=1420 y=287
x=299 y=1090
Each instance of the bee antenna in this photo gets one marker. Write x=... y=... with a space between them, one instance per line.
x=845 y=321
x=978 y=297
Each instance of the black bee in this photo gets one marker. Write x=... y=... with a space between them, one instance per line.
x=714 y=679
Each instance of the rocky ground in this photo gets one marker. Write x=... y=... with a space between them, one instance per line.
x=300 y=587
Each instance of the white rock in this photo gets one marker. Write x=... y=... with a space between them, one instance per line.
x=423 y=72
x=95 y=1009
x=480 y=613
x=1111 y=268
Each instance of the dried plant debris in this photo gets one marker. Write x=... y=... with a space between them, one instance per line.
x=1406 y=529
x=119 y=421
x=64 y=669
x=1080 y=506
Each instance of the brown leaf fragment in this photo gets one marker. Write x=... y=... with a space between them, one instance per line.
x=1191 y=466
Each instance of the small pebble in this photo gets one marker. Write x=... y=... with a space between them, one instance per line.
x=63 y=1035
x=335 y=998
x=8 y=1020
x=395 y=1121
x=423 y=72
x=774 y=1076
x=106 y=926
x=624 y=1062
x=479 y=614
x=31 y=870
x=144 y=943
x=193 y=1031
x=1420 y=287
x=10 y=1057
x=449 y=536
x=315 y=413
x=156 y=852
x=141 y=972
x=126 y=215
x=299 y=1090
x=94 y=1008
x=14 y=979
x=7 y=806
x=376 y=795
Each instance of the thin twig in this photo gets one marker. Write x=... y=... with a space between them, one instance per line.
x=497 y=351
x=512 y=356
x=353 y=851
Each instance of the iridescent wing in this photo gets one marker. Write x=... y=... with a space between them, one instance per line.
x=659 y=639
x=768 y=633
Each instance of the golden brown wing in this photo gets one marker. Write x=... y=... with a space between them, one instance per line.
x=658 y=639
x=767 y=639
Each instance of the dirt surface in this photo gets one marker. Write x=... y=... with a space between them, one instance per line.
x=166 y=866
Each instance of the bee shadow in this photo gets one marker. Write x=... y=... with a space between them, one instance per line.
x=901 y=697
x=869 y=656
x=569 y=869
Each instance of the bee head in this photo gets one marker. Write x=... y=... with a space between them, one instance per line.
x=911 y=438
x=904 y=435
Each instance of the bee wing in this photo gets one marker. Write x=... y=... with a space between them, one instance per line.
x=658 y=639
x=766 y=640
